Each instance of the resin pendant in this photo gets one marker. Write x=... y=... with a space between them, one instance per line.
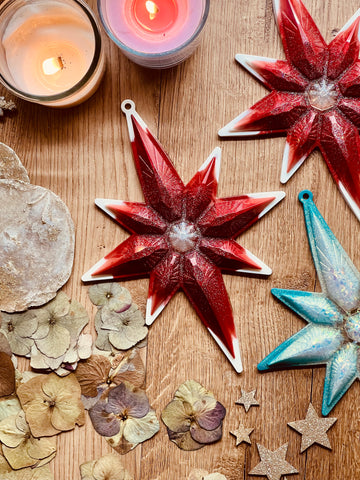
x=314 y=99
x=332 y=336
x=183 y=236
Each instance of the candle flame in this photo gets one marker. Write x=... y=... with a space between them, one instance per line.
x=152 y=8
x=52 y=65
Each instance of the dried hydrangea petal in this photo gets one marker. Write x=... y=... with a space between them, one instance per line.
x=55 y=343
x=105 y=423
x=110 y=294
x=192 y=391
x=175 y=417
x=108 y=467
x=7 y=375
x=197 y=474
x=86 y=470
x=9 y=406
x=99 y=373
x=194 y=417
x=140 y=429
x=36 y=245
x=10 y=435
x=120 y=444
x=5 y=345
x=51 y=404
x=201 y=435
x=18 y=328
x=209 y=419
x=184 y=440
x=19 y=447
x=127 y=398
x=93 y=373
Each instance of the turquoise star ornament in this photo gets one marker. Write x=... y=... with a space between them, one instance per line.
x=332 y=336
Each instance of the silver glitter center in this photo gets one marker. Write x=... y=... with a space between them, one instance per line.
x=322 y=95
x=352 y=327
x=183 y=236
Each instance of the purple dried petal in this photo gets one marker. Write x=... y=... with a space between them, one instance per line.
x=106 y=424
x=211 y=419
x=201 y=435
x=122 y=400
x=124 y=308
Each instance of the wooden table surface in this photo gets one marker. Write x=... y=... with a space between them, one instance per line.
x=84 y=153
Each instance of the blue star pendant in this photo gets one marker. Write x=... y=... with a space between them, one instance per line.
x=332 y=336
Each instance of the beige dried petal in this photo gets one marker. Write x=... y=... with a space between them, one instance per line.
x=19 y=457
x=192 y=392
x=128 y=367
x=175 y=416
x=55 y=343
x=23 y=324
x=36 y=245
x=137 y=430
x=109 y=467
x=4 y=344
x=197 y=474
x=110 y=294
x=9 y=406
x=120 y=444
x=84 y=346
x=11 y=167
x=86 y=470
x=51 y=404
x=37 y=359
x=215 y=476
x=39 y=473
x=5 y=468
x=10 y=435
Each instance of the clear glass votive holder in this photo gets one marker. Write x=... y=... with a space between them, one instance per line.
x=155 y=34
x=50 y=51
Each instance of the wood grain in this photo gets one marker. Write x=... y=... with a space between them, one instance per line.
x=84 y=152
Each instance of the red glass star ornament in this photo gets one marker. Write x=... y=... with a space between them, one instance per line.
x=183 y=236
x=315 y=97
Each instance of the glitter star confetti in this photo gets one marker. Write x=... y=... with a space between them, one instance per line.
x=332 y=336
x=314 y=97
x=183 y=236
x=242 y=434
x=247 y=399
x=273 y=464
x=313 y=429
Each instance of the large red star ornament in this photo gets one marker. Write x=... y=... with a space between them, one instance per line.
x=315 y=97
x=183 y=236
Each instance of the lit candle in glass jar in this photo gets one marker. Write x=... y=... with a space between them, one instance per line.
x=154 y=33
x=50 y=51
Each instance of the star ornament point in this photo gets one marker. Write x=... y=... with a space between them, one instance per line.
x=273 y=464
x=183 y=236
x=332 y=335
x=313 y=429
x=314 y=97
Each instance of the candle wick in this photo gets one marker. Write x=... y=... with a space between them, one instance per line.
x=152 y=8
x=52 y=65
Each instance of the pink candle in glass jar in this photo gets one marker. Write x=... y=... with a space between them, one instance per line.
x=154 y=33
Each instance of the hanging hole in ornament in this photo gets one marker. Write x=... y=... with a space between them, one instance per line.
x=305 y=195
x=128 y=106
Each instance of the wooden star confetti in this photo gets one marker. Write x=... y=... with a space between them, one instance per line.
x=273 y=464
x=242 y=434
x=247 y=399
x=313 y=429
